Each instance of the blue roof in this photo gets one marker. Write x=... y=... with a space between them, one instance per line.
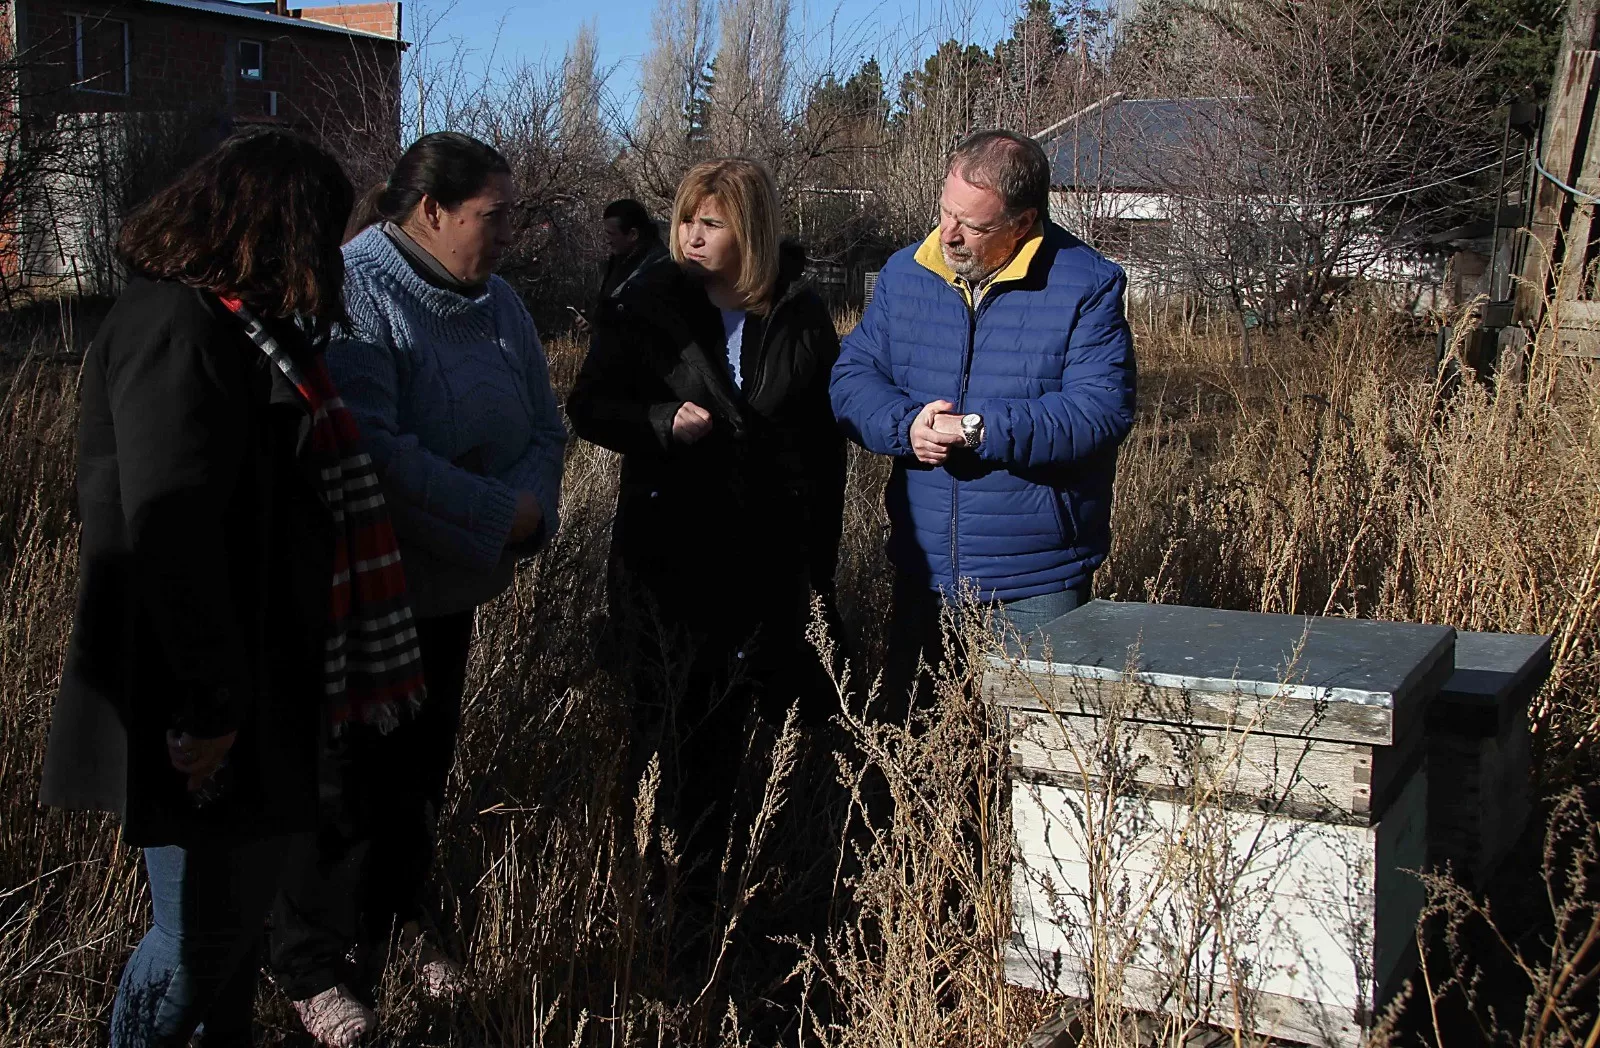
x=1137 y=143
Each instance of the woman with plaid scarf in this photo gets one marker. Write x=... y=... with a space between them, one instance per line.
x=240 y=591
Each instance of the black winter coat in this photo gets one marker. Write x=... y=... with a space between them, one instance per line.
x=733 y=531
x=619 y=271
x=203 y=576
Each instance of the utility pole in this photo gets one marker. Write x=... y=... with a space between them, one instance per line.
x=422 y=102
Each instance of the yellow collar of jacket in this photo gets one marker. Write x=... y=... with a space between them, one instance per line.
x=931 y=257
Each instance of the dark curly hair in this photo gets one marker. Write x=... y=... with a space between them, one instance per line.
x=261 y=218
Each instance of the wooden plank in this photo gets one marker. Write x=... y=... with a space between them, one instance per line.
x=1505 y=771
x=1304 y=714
x=1347 y=680
x=1565 y=127
x=1285 y=1019
x=1143 y=837
x=1310 y=778
x=1575 y=260
x=1153 y=842
x=1291 y=941
x=1580 y=26
x=1563 y=124
x=1577 y=326
x=1309 y=924
x=1580 y=315
x=1581 y=345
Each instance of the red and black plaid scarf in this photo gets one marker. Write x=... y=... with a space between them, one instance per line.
x=372 y=665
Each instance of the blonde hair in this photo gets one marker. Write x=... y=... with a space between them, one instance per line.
x=749 y=199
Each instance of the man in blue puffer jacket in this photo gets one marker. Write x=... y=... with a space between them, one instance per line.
x=995 y=364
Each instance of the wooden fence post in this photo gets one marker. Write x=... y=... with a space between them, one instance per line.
x=1564 y=149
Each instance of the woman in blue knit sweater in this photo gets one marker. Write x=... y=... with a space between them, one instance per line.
x=444 y=373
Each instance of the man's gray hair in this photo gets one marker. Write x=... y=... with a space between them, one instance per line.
x=1010 y=164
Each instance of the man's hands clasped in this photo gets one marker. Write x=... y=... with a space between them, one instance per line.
x=935 y=431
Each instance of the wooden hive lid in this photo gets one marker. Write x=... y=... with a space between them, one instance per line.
x=1351 y=680
x=1495 y=676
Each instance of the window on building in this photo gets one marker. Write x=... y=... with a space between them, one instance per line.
x=103 y=58
x=1131 y=239
x=252 y=60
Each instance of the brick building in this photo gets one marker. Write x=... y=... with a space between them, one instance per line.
x=141 y=85
x=242 y=62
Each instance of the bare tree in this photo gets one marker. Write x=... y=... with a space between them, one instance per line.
x=67 y=177
x=1344 y=133
x=39 y=164
x=668 y=133
x=358 y=106
x=750 y=95
x=563 y=175
x=581 y=126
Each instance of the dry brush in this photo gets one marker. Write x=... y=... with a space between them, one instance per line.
x=1339 y=475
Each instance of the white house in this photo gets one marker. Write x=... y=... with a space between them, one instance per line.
x=1175 y=190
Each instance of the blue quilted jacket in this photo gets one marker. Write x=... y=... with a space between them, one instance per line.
x=1046 y=358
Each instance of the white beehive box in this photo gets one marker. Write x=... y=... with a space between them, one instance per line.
x=1214 y=812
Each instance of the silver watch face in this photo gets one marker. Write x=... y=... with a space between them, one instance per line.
x=972 y=421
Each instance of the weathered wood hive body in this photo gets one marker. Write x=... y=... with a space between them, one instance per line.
x=1479 y=752
x=1215 y=812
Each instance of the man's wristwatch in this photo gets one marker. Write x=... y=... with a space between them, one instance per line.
x=972 y=430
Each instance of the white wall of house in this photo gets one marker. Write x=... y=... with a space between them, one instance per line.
x=1068 y=207
x=1407 y=283
x=69 y=222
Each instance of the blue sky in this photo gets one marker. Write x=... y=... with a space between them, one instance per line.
x=831 y=33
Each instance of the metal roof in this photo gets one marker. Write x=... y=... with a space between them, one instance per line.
x=1136 y=144
x=227 y=10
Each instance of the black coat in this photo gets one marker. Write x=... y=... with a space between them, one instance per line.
x=619 y=271
x=203 y=577
x=735 y=530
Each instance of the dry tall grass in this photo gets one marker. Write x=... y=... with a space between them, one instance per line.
x=1335 y=476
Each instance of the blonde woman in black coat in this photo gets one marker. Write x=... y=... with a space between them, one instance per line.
x=710 y=377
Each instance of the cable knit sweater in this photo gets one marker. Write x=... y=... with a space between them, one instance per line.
x=453 y=398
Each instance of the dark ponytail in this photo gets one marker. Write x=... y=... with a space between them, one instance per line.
x=446 y=165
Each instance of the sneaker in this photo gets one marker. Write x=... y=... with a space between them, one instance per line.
x=440 y=976
x=336 y=1018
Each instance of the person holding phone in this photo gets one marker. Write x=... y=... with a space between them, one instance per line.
x=634 y=246
x=233 y=560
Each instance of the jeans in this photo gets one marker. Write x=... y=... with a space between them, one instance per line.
x=915 y=634
x=362 y=874
x=199 y=962
x=1031 y=613
x=916 y=657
